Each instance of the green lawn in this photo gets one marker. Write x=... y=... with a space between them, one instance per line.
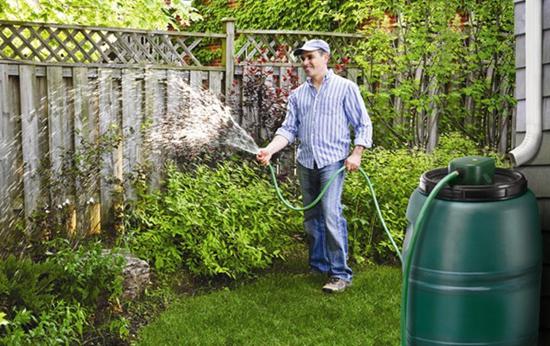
x=283 y=308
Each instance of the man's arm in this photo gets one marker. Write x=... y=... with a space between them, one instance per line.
x=277 y=144
x=358 y=117
x=284 y=135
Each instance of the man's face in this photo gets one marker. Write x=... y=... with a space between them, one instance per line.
x=314 y=63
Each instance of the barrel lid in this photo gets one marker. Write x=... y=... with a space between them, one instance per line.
x=507 y=184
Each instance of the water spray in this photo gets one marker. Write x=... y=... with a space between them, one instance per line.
x=198 y=120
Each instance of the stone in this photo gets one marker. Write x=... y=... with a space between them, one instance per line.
x=136 y=273
x=136 y=276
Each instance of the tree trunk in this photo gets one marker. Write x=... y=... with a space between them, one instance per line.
x=419 y=128
x=433 y=117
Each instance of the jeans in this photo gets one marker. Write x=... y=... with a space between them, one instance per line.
x=325 y=223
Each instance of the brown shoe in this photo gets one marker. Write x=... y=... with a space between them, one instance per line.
x=336 y=285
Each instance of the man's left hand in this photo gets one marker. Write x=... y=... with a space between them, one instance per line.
x=353 y=162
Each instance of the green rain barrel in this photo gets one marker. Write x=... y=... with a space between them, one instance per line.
x=476 y=270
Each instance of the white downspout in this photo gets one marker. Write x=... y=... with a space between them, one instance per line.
x=533 y=85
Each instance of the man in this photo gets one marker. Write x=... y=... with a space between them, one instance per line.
x=320 y=113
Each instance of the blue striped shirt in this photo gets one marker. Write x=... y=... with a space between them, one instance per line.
x=321 y=120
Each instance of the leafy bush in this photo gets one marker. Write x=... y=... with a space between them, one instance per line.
x=228 y=221
x=225 y=220
x=26 y=284
x=460 y=79
x=394 y=175
x=50 y=302
x=91 y=276
x=60 y=323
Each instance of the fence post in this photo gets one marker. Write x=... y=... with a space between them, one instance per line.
x=228 y=53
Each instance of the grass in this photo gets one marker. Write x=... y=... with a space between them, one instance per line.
x=286 y=308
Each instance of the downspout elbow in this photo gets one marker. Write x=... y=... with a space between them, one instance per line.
x=530 y=145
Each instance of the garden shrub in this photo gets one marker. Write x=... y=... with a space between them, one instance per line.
x=51 y=300
x=394 y=174
x=228 y=220
x=60 y=323
x=223 y=220
x=26 y=284
x=91 y=276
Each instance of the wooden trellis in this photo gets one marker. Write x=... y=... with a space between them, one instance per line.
x=72 y=44
x=53 y=43
x=277 y=46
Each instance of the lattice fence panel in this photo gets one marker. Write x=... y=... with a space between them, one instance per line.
x=49 y=43
x=269 y=47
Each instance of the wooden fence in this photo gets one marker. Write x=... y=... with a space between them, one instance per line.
x=71 y=89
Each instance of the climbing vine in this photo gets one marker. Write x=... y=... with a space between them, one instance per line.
x=142 y=14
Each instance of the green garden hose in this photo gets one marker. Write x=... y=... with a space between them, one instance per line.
x=417 y=229
x=322 y=193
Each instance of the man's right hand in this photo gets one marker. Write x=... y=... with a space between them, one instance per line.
x=263 y=156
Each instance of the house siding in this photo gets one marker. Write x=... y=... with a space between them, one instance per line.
x=537 y=170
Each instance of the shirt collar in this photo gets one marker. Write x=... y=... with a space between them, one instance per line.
x=326 y=78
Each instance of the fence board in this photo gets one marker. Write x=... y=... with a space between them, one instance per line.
x=93 y=135
x=56 y=130
x=30 y=137
x=14 y=108
x=284 y=82
x=249 y=120
x=131 y=125
x=81 y=103
x=286 y=158
x=68 y=145
x=215 y=80
x=196 y=79
x=117 y=157
x=270 y=84
x=177 y=98
x=154 y=110
x=81 y=114
x=8 y=147
x=84 y=136
x=108 y=130
x=6 y=136
x=60 y=129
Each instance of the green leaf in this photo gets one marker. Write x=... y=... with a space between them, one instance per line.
x=3 y=320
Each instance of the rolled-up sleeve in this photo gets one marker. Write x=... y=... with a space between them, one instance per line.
x=357 y=115
x=289 y=128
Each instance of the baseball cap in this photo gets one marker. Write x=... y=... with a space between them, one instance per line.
x=312 y=45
